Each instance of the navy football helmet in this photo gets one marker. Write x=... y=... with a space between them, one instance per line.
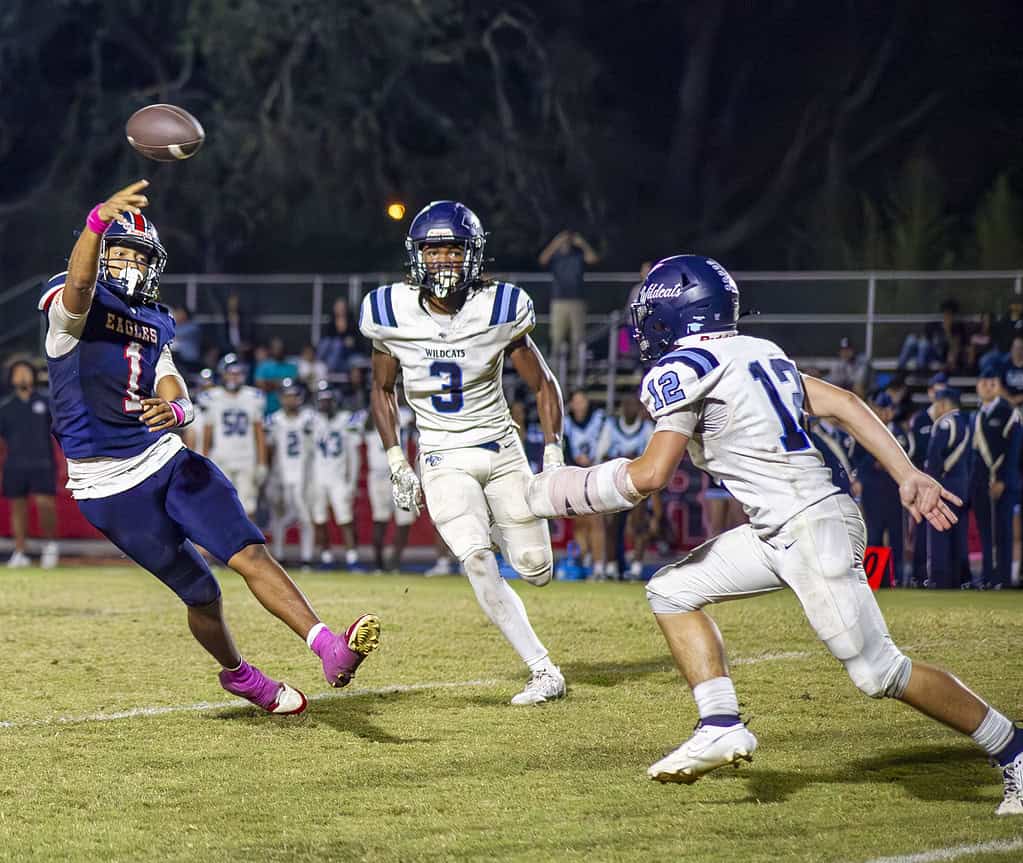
x=446 y=222
x=136 y=232
x=326 y=398
x=681 y=296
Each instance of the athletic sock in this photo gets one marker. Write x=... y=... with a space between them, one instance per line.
x=717 y=702
x=542 y=664
x=998 y=737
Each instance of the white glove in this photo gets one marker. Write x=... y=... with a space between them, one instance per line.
x=405 y=486
x=553 y=457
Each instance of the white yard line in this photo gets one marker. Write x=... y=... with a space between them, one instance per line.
x=203 y=706
x=958 y=852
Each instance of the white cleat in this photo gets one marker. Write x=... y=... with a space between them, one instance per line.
x=710 y=747
x=543 y=686
x=443 y=566
x=18 y=560
x=351 y=557
x=1012 y=775
x=50 y=556
x=326 y=558
x=289 y=701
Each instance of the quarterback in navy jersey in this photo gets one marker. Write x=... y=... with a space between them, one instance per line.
x=116 y=398
x=735 y=403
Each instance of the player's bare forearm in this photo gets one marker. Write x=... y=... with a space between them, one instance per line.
x=82 y=272
x=653 y=470
x=383 y=400
x=533 y=369
x=850 y=412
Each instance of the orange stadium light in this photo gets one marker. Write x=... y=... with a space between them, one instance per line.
x=396 y=210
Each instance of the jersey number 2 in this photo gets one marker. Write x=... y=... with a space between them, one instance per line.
x=132 y=397
x=451 y=402
x=793 y=437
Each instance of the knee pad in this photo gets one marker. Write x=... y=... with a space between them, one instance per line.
x=190 y=578
x=535 y=565
x=667 y=595
x=881 y=675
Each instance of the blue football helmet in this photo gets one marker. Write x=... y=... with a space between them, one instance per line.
x=681 y=296
x=445 y=222
x=326 y=398
x=136 y=232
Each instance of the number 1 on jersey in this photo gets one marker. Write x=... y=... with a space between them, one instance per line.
x=793 y=437
x=133 y=398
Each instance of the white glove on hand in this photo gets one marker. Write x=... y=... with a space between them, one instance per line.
x=553 y=457
x=405 y=486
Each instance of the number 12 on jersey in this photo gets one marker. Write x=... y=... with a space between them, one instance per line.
x=793 y=437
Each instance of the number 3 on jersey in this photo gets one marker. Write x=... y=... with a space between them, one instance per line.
x=451 y=402
x=793 y=437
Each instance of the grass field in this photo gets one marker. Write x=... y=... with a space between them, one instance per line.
x=427 y=761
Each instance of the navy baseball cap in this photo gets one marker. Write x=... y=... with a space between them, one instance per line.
x=938 y=379
x=947 y=393
x=883 y=400
x=990 y=369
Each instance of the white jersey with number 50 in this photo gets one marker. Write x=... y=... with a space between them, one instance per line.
x=233 y=417
x=451 y=364
x=739 y=399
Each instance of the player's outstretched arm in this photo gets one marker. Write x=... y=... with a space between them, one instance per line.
x=922 y=495
x=383 y=404
x=533 y=369
x=609 y=487
x=83 y=265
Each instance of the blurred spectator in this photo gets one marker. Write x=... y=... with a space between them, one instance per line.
x=948 y=461
x=851 y=371
x=982 y=344
x=583 y=427
x=344 y=341
x=1012 y=372
x=1007 y=327
x=29 y=470
x=902 y=399
x=237 y=333
x=567 y=256
x=187 y=344
x=310 y=369
x=271 y=371
x=942 y=345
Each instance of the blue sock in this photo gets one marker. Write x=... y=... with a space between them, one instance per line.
x=1012 y=749
x=722 y=720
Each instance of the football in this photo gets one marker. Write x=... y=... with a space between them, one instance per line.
x=165 y=133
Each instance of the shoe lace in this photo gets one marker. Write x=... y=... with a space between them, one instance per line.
x=1013 y=776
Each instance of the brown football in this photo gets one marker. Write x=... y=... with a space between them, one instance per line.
x=165 y=133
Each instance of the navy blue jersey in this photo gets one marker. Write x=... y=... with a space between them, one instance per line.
x=869 y=472
x=919 y=438
x=835 y=457
x=948 y=452
x=996 y=445
x=581 y=439
x=96 y=388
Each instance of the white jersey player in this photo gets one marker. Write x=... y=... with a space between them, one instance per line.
x=626 y=435
x=233 y=435
x=335 y=473
x=448 y=332
x=292 y=442
x=378 y=485
x=737 y=404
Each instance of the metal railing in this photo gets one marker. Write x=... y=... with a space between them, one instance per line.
x=808 y=311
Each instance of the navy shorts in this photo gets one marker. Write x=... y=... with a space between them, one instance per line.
x=156 y=523
x=23 y=481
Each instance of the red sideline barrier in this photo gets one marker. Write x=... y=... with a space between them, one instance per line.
x=877 y=561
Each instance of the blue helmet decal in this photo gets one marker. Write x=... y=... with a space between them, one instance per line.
x=681 y=296
x=135 y=231
x=448 y=223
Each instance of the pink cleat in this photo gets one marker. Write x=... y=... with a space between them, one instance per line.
x=252 y=684
x=342 y=654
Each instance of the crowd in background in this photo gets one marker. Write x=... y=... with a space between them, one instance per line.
x=613 y=547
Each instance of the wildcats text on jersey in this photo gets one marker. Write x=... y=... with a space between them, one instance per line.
x=444 y=353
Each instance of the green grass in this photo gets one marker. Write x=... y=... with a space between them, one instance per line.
x=456 y=773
